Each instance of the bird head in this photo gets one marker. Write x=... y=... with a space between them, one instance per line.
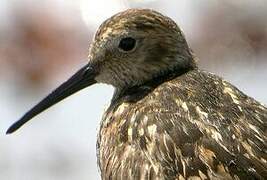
x=129 y=49
x=137 y=45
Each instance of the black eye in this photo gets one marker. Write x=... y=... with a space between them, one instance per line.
x=127 y=44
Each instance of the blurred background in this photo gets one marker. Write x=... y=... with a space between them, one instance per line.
x=43 y=42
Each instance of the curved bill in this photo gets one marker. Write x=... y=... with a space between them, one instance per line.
x=81 y=79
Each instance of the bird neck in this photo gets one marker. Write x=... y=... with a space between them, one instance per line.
x=137 y=92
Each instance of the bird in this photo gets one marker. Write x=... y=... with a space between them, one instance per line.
x=167 y=119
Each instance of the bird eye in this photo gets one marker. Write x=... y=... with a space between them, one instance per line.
x=127 y=44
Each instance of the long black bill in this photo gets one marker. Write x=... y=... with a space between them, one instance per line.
x=81 y=79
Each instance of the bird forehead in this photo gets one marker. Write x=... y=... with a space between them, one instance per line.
x=134 y=20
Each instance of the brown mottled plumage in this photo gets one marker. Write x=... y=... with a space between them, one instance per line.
x=167 y=118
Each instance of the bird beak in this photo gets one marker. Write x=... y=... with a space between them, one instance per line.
x=80 y=80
